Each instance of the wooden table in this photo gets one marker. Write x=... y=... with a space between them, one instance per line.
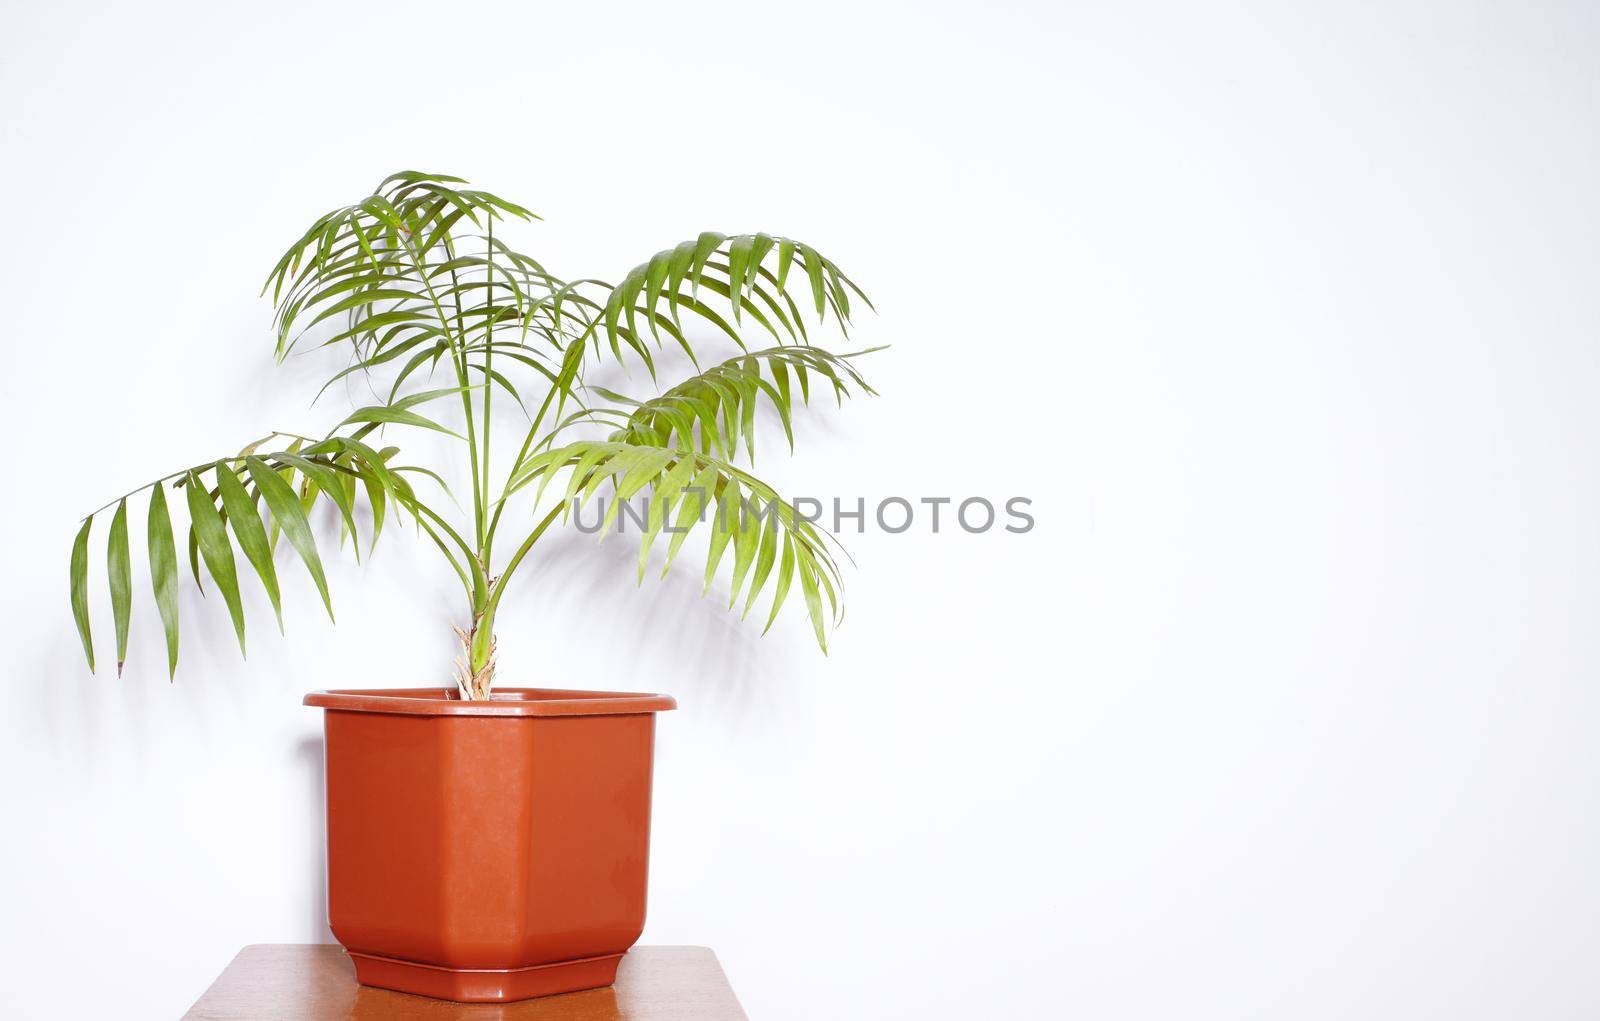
x=315 y=982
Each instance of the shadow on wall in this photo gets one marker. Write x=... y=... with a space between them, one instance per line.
x=673 y=639
x=309 y=753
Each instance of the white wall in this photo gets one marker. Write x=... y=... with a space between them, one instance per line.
x=1284 y=316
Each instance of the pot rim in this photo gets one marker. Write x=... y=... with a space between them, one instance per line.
x=502 y=702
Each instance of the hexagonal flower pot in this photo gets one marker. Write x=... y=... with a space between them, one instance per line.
x=488 y=851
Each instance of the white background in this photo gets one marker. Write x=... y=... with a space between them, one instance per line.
x=1283 y=314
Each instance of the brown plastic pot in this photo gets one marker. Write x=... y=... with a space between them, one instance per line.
x=488 y=851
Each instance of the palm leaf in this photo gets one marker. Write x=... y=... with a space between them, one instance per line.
x=119 y=574
x=212 y=537
x=164 y=571
x=80 y=588
x=748 y=271
x=711 y=411
x=742 y=507
x=236 y=511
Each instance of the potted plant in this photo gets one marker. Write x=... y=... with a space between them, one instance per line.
x=488 y=843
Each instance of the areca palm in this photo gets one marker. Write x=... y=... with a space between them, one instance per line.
x=415 y=282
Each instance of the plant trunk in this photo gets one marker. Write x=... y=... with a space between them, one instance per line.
x=475 y=665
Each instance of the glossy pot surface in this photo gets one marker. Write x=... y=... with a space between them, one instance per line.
x=488 y=851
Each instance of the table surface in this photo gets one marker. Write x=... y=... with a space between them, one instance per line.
x=316 y=982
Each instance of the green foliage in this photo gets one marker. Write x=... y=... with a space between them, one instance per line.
x=413 y=281
x=711 y=411
x=687 y=487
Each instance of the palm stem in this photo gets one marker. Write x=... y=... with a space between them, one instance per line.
x=516 y=558
x=459 y=361
x=481 y=498
x=500 y=505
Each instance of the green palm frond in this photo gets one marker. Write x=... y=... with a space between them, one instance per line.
x=711 y=411
x=251 y=498
x=748 y=272
x=417 y=288
x=686 y=487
